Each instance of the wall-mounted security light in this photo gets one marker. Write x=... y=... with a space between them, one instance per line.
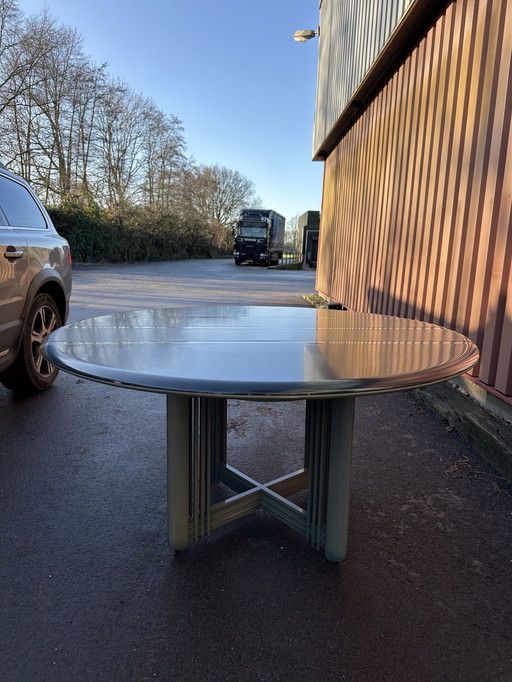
x=303 y=36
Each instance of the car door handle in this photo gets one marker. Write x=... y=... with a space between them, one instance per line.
x=12 y=253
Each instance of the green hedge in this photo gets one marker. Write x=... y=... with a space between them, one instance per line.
x=97 y=236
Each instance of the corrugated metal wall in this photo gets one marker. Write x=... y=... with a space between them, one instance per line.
x=352 y=33
x=416 y=214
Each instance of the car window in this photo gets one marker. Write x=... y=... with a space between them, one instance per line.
x=19 y=206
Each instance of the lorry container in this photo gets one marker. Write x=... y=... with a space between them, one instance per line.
x=259 y=237
x=309 y=226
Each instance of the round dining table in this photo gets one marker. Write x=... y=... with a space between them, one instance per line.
x=201 y=357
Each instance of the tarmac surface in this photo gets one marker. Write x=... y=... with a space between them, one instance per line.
x=90 y=591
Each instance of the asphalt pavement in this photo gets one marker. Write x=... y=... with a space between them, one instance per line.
x=90 y=591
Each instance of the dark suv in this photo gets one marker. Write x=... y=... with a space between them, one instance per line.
x=35 y=285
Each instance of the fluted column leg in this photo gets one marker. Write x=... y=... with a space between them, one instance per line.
x=179 y=417
x=328 y=455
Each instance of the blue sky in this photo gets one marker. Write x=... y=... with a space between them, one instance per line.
x=230 y=70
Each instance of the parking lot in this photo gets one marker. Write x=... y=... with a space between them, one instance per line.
x=90 y=591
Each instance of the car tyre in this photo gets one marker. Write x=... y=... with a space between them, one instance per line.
x=31 y=372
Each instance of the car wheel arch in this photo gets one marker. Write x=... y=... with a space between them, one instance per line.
x=52 y=286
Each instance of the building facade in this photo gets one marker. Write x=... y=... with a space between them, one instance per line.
x=414 y=104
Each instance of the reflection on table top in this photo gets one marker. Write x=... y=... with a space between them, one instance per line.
x=260 y=352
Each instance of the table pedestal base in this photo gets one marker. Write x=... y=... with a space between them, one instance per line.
x=196 y=457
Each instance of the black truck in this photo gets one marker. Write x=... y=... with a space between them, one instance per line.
x=259 y=237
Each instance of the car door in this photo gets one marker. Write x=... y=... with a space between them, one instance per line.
x=14 y=263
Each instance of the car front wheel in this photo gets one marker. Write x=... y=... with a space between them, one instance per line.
x=31 y=371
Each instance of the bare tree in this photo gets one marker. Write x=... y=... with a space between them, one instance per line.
x=216 y=194
x=19 y=51
x=48 y=128
x=58 y=78
x=163 y=160
x=122 y=126
x=89 y=94
x=293 y=236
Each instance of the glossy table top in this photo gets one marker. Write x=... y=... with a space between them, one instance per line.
x=260 y=353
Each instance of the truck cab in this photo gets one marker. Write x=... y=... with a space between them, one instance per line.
x=259 y=237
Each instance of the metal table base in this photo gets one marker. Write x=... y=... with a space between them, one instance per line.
x=196 y=458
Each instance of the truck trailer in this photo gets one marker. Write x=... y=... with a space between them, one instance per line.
x=259 y=237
